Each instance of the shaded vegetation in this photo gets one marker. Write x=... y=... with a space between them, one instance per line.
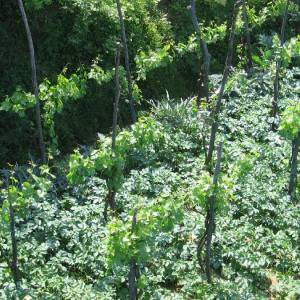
x=139 y=213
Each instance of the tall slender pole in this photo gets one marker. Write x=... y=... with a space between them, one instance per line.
x=133 y=273
x=247 y=35
x=278 y=67
x=34 y=83
x=294 y=167
x=216 y=112
x=110 y=197
x=211 y=215
x=14 y=264
x=206 y=55
x=117 y=97
x=127 y=63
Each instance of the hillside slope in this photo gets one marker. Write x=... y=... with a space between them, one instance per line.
x=68 y=251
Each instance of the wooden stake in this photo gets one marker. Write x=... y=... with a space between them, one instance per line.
x=206 y=55
x=216 y=112
x=248 y=37
x=133 y=273
x=34 y=83
x=127 y=62
x=278 y=67
x=294 y=168
x=211 y=216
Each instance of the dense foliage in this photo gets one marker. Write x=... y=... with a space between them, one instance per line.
x=68 y=252
x=52 y=215
x=72 y=35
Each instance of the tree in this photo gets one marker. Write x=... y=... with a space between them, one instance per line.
x=34 y=83
x=127 y=62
